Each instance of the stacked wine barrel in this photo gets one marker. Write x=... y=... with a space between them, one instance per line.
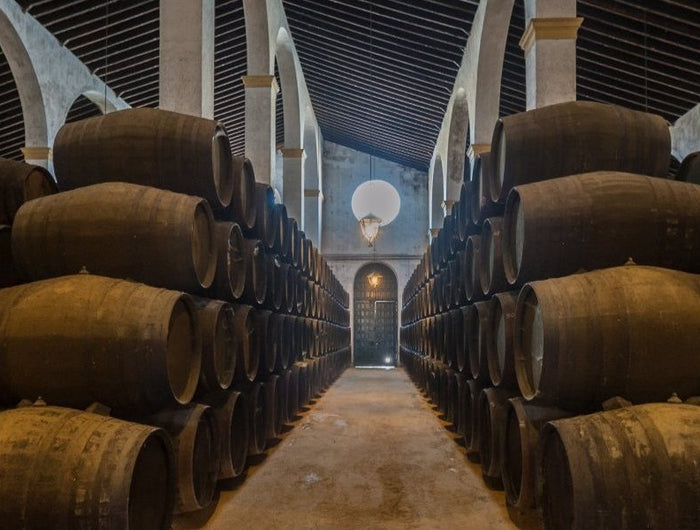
x=554 y=321
x=168 y=319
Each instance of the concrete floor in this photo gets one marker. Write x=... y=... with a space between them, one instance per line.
x=370 y=453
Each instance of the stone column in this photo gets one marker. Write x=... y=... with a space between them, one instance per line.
x=38 y=156
x=260 y=99
x=549 y=43
x=187 y=56
x=293 y=178
x=313 y=201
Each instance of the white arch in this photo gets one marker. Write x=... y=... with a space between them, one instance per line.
x=284 y=55
x=457 y=144
x=30 y=94
x=436 y=191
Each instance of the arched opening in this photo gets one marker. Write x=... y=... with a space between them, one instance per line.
x=81 y=109
x=12 y=133
x=375 y=321
x=513 y=94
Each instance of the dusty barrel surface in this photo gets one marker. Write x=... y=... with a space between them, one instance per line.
x=8 y=273
x=79 y=339
x=633 y=467
x=243 y=205
x=519 y=463
x=229 y=280
x=582 y=339
x=219 y=345
x=492 y=277
x=41 y=446
x=120 y=230
x=255 y=288
x=19 y=183
x=597 y=220
x=576 y=137
x=231 y=413
x=499 y=349
x=245 y=333
x=195 y=436
x=152 y=147
x=492 y=428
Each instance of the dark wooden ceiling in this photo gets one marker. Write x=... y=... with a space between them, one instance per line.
x=379 y=72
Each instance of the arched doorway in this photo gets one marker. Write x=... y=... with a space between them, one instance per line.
x=375 y=316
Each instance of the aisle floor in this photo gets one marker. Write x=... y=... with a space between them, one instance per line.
x=369 y=453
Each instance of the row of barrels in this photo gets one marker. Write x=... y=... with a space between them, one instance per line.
x=624 y=467
x=504 y=327
x=126 y=474
x=169 y=321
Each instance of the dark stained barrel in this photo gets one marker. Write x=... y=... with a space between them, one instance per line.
x=629 y=331
x=290 y=288
x=243 y=205
x=8 y=274
x=492 y=277
x=462 y=353
x=219 y=345
x=519 y=464
x=79 y=339
x=465 y=226
x=195 y=436
x=125 y=472
x=255 y=288
x=272 y=414
x=478 y=333
x=482 y=206
x=634 y=467
x=293 y=392
x=492 y=428
x=120 y=230
x=263 y=340
x=283 y=239
x=231 y=413
x=689 y=171
x=499 y=348
x=597 y=220
x=19 y=183
x=245 y=333
x=257 y=421
x=471 y=419
x=278 y=341
x=576 y=137
x=295 y=242
x=275 y=283
x=151 y=147
x=229 y=280
x=470 y=269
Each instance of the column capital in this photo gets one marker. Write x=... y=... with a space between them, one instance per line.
x=549 y=29
x=478 y=149
x=292 y=152
x=314 y=193
x=36 y=153
x=447 y=205
x=434 y=232
x=260 y=81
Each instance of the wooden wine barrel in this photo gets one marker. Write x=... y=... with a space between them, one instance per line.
x=231 y=413
x=19 y=183
x=120 y=230
x=460 y=389
x=470 y=269
x=243 y=205
x=689 y=171
x=465 y=227
x=478 y=332
x=245 y=333
x=598 y=220
x=263 y=340
x=257 y=420
x=482 y=206
x=271 y=423
x=265 y=220
x=255 y=288
x=291 y=383
x=67 y=469
x=462 y=353
x=492 y=277
x=8 y=274
x=471 y=419
x=195 y=436
x=499 y=347
x=219 y=345
x=229 y=280
x=283 y=239
x=295 y=242
x=633 y=467
x=282 y=395
x=151 y=147
x=628 y=331
x=276 y=340
x=576 y=137
x=492 y=427
x=519 y=461
x=79 y=339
